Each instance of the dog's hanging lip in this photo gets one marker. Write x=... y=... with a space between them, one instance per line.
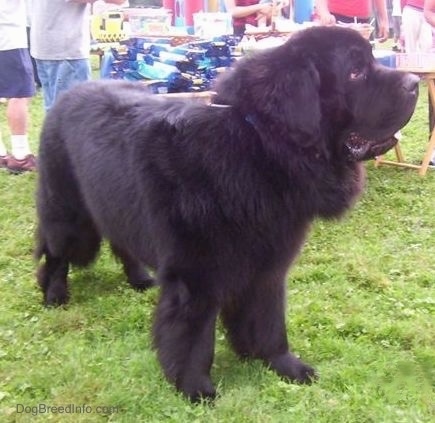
x=361 y=149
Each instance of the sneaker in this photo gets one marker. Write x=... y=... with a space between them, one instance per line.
x=28 y=164
x=4 y=160
x=432 y=164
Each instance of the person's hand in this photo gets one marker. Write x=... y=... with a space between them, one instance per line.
x=383 y=32
x=265 y=11
x=327 y=19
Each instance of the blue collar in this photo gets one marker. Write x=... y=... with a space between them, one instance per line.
x=251 y=119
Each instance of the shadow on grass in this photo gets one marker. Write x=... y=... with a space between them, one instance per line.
x=87 y=284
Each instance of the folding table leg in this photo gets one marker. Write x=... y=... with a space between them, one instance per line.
x=430 y=148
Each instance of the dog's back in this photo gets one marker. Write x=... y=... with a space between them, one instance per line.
x=89 y=159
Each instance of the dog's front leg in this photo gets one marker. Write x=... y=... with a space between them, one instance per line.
x=255 y=323
x=184 y=332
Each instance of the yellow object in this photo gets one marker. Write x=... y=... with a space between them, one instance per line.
x=112 y=22
x=107 y=27
x=96 y=22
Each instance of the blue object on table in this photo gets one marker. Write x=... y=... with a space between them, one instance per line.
x=385 y=57
x=303 y=10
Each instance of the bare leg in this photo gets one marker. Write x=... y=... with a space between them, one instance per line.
x=17 y=115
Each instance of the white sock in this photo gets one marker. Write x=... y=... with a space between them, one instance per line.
x=20 y=146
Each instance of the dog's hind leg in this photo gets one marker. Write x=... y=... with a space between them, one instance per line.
x=184 y=330
x=72 y=241
x=137 y=275
x=255 y=323
x=52 y=278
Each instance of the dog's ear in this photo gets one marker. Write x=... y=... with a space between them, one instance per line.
x=292 y=103
x=282 y=97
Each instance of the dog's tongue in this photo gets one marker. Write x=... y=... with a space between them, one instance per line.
x=360 y=149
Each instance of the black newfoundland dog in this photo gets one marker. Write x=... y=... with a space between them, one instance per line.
x=217 y=199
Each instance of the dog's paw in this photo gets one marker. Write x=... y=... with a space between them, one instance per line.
x=197 y=390
x=291 y=368
x=142 y=284
x=56 y=295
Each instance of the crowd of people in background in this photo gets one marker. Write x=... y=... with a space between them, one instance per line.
x=59 y=45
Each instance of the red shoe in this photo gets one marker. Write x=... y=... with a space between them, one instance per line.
x=28 y=164
x=4 y=160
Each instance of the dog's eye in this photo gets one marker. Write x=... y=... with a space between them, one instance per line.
x=357 y=74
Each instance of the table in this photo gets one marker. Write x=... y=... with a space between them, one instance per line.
x=99 y=49
x=100 y=53
x=205 y=96
x=429 y=76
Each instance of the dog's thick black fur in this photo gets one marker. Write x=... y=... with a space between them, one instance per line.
x=217 y=200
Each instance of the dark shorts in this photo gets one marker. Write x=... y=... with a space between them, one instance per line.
x=16 y=74
x=349 y=19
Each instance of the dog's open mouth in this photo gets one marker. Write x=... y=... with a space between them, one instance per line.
x=360 y=148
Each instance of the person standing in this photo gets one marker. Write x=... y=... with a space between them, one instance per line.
x=60 y=44
x=350 y=11
x=16 y=85
x=35 y=73
x=417 y=33
x=247 y=12
x=396 y=18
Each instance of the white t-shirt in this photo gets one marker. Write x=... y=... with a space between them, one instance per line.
x=59 y=30
x=12 y=24
x=100 y=6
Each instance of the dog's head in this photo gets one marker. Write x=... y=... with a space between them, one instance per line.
x=322 y=90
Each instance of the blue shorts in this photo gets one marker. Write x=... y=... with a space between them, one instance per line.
x=57 y=76
x=16 y=74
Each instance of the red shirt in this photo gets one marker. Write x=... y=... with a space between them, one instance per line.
x=416 y=4
x=250 y=19
x=351 y=8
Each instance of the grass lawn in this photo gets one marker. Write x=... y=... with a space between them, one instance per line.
x=361 y=309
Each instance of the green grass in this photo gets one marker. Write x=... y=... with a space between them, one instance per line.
x=360 y=309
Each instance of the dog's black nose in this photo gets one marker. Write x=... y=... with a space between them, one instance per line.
x=410 y=82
